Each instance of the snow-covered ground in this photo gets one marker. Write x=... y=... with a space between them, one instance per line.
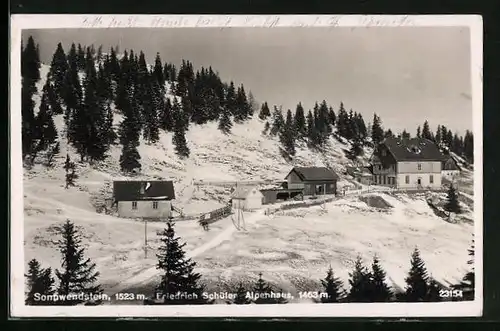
x=293 y=249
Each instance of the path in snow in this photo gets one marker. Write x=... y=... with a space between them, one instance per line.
x=149 y=273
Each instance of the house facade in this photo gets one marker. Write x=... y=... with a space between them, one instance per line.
x=450 y=168
x=144 y=199
x=407 y=163
x=312 y=180
x=247 y=198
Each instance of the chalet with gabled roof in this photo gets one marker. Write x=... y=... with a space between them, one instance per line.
x=313 y=180
x=407 y=163
x=144 y=199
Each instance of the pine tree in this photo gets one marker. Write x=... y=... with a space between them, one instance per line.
x=154 y=106
x=342 y=121
x=419 y=134
x=426 y=131
x=438 y=136
x=405 y=135
x=380 y=291
x=40 y=283
x=158 y=71
x=252 y=105
x=179 y=136
x=81 y=57
x=278 y=121
x=452 y=205
x=73 y=94
x=28 y=117
x=242 y=105
x=53 y=151
x=45 y=129
x=241 y=296
x=433 y=291
x=71 y=175
x=388 y=134
x=287 y=134
x=377 y=131
x=331 y=116
x=166 y=119
x=263 y=292
x=333 y=287
x=311 y=129
x=130 y=158
x=77 y=274
x=179 y=275
x=356 y=148
x=360 y=281
x=266 y=128
x=58 y=71
x=94 y=137
x=30 y=62
x=225 y=123
x=300 y=121
x=264 y=111
x=417 y=280
x=467 y=285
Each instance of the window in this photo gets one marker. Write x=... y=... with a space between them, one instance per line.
x=384 y=179
x=134 y=204
x=419 y=166
x=431 y=179
x=407 y=179
x=384 y=152
x=155 y=204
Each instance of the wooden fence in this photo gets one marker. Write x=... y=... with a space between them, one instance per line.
x=214 y=215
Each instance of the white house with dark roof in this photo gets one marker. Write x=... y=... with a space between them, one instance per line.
x=247 y=198
x=407 y=163
x=144 y=199
x=313 y=180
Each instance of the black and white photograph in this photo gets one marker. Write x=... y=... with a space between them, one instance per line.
x=246 y=165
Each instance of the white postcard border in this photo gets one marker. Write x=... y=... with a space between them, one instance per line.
x=441 y=309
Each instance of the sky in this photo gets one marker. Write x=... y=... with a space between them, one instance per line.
x=406 y=75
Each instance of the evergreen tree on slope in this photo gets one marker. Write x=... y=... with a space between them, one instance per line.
x=264 y=111
x=452 y=204
x=40 y=283
x=77 y=274
x=30 y=62
x=333 y=287
x=179 y=136
x=58 y=71
x=178 y=271
x=45 y=129
x=377 y=130
x=380 y=291
x=278 y=121
x=225 y=123
x=287 y=134
x=360 y=281
x=300 y=121
x=241 y=296
x=417 y=281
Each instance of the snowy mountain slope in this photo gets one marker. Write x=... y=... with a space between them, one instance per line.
x=117 y=245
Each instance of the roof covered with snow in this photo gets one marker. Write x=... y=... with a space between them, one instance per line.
x=143 y=190
x=414 y=149
x=314 y=173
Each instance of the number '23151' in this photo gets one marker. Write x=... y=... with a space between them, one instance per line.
x=450 y=294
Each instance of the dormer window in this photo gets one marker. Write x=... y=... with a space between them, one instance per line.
x=413 y=149
x=384 y=153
